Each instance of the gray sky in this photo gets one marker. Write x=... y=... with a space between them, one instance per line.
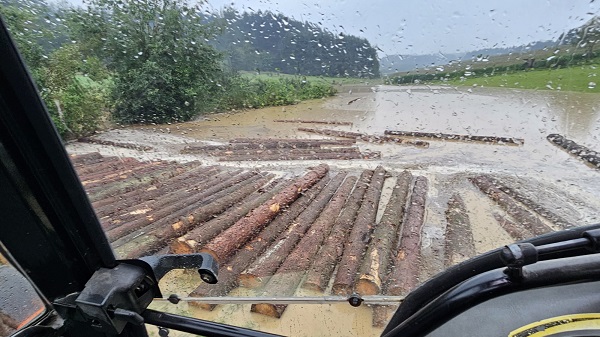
x=422 y=27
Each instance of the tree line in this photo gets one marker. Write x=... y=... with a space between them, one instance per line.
x=159 y=61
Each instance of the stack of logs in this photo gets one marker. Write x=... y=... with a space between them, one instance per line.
x=250 y=149
x=317 y=232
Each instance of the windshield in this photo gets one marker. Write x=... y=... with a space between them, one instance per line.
x=320 y=150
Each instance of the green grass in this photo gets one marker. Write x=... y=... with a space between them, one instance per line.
x=314 y=79
x=575 y=78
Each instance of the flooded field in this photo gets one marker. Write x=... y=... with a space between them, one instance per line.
x=538 y=170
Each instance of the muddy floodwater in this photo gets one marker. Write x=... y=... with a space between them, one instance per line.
x=544 y=172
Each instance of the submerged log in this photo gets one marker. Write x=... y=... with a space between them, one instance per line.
x=532 y=205
x=293 y=141
x=468 y=138
x=525 y=217
x=590 y=156
x=517 y=232
x=268 y=262
x=322 y=267
x=365 y=137
x=289 y=275
x=196 y=238
x=311 y=122
x=333 y=155
x=404 y=275
x=374 y=268
x=117 y=144
x=169 y=229
x=229 y=272
x=359 y=236
x=459 y=236
x=87 y=158
x=223 y=246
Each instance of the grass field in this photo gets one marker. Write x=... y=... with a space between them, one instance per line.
x=314 y=79
x=578 y=78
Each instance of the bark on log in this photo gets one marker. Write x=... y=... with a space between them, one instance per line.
x=160 y=187
x=311 y=122
x=459 y=236
x=87 y=158
x=516 y=231
x=117 y=144
x=126 y=183
x=404 y=275
x=382 y=314
x=365 y=137
x=196 y=238
x=375 y=265
x=308 y=156
x=532 y=205
x=586 y=154
x=228 y=274
x=179 y=203
x=223 y=246
x=282 y=152
x=118 y=177
x=167 y=231
x=293 y=141
x=267 y=263
x=359 y=236
x=320 y=272
x=523 y=216
x=468 y=138
x=291 y=271
x=104 y=164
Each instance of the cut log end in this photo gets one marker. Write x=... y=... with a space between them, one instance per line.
x=366 y=285
x=267 y=309
x=341 y=289
x=182 y=246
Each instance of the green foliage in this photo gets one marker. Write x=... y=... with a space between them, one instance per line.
x=162 y=68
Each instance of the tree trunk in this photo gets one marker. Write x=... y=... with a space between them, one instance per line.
x=291 y=271
x=174 y=206
x=311 y=122
x=229 y=272
x=333 y=155
x=579 y=151
x=359 y=236
x=164 y=231
x=532 y=205
x=223 y=246
x=374 y=268
x=515 y=231
x=459 y=237
x=404 y=275
x=365 y=137
x=267 y=263
x=526 y=218
x=320 y=272
x=196 y=238
x=447 y=136
x=117 y=144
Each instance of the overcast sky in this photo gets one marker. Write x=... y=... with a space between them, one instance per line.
x=421 y=27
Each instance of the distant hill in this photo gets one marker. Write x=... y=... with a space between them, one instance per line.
x=265 y=41
x=402 y=63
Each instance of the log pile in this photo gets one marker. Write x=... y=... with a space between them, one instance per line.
x=248 y=149
x=455 y=137
x=116 y=144
x=318 y=231
x=589 y=156
x=311 y=122
x=365 y=137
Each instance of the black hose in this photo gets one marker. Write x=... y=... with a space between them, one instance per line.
x=454 y=275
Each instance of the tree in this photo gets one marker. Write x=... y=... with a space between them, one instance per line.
x=164 y=71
